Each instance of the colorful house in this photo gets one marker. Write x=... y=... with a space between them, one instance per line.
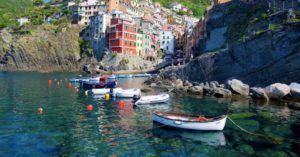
x=139 y=44
x=122 y=36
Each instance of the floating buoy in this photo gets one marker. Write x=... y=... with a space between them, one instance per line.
x=107 y=97
x=76 y=89
x=49 y=83
x=40 y=110
x=69 y=85
x=121 y=104
x=89 y=108
x=86 y=93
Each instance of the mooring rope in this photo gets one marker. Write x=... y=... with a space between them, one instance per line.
x=274 y=139
x=252 y=133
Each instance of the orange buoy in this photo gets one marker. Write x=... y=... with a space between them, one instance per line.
x=121 y=104
x=89 y=107
x=40 y=110
x=69 y=85
x=49 y=83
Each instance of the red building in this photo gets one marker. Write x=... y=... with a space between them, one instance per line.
x=122 y=36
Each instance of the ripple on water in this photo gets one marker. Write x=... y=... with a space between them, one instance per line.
x=67 y=129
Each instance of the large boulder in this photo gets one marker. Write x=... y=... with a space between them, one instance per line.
x=258 y=93
x=179 y=83
x=187 y=84
x=277 y=90
x=238 y=87
x=295 y=90
x=222 y=93
x=196 y=90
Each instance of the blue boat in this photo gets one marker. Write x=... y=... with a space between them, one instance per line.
x=93 y=85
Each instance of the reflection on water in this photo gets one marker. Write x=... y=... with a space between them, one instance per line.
x=67 y=129
x=209 y=138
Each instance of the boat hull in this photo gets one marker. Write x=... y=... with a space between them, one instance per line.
x=89 y=85
x=127 y=93
x=217 y=125
x=155 y=99
x=101 y=91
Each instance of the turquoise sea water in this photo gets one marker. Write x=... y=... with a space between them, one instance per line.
x=66 y=128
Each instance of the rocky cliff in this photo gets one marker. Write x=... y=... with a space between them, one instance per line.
x=245 y=48
x=41 y=49
x=271 y=57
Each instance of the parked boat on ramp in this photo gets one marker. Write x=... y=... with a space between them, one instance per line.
x=153 y=99
x=126 y=93
x=182 y=121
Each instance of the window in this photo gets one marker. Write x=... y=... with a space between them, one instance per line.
x=125 y=42
x=126 y=28
x=163 y=37
x=167 y=47
x=130 y=43
x=135 y=44
x=163 y=42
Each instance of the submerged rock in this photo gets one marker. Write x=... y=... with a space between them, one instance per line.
x=258 y=93
x=295 y=90
x=238 y=87
x=277 y=90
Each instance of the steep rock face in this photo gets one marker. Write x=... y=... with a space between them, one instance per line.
x=41 y=50
x=268 y=58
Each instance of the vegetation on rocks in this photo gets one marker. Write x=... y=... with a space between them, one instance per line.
x=197 y=6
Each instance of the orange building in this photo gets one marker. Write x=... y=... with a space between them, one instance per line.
x=112 y=5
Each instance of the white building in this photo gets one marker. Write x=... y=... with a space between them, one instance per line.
x=167 y=41
x=96 y=32
x=23 y=20
x=175 y=6
x=85 y=9
x=121 y=15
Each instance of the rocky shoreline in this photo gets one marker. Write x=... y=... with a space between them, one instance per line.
x=234 y=87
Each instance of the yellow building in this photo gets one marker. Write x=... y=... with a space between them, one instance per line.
x=139 y=44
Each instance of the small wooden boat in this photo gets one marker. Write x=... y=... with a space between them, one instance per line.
x=101 y=91
x=152 y=99
x=182 y=121
x=126 y=93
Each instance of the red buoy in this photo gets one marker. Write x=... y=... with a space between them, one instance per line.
x=89 y=107
x=49 y=83
x=69 y=85
x=121 y=104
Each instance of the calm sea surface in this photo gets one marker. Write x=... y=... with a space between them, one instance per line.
x=67 y=129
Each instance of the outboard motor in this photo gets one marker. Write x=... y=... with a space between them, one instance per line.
x=136 y=98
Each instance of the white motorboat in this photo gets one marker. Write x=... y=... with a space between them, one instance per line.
x=101 y=91
x=126 y=93
x=152 y=99
x=190 y=122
